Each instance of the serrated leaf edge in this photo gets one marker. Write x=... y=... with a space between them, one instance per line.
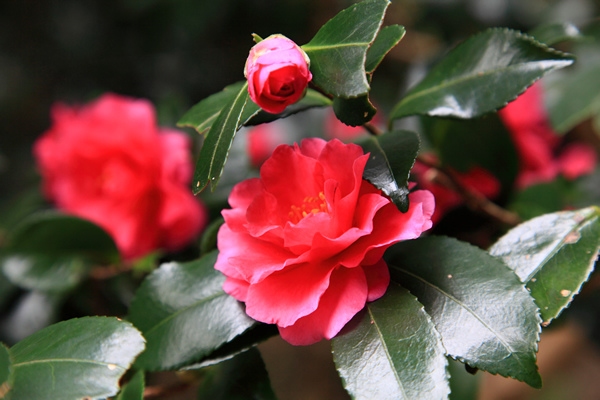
x=537 y=315
x=519 y=35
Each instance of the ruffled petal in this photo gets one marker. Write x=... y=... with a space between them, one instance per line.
x=283 y=297
x=250 y=259
x=237 y=288
x=378 y=279
x=346 y=296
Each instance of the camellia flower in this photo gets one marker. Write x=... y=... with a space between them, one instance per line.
x=277 y=70
x=107 y=162
x=302 y=245
x=537 y=144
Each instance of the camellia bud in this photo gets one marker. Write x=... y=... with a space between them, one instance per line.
x=278 y=72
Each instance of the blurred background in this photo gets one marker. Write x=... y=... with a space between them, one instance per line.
x=177 y=52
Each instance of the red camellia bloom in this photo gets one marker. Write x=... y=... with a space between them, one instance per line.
x=108 y=163
x=302 y=245
x=537 y=144
x=277 y=72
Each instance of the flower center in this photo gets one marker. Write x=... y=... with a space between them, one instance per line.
x=309 y=205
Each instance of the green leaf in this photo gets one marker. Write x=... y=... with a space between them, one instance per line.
x=554 y=33
x=6 y=377
x=391 y=350
x=243 y=377
x=52 y=252
x=203 y=115
x=241 y=343
x=184 y=314
x=387 y=38
x=481 y=75
x=338 y=51
x=215 y=149
x=354 y=112
x=74 y=359
x=485 y=315
x=554 y=254
x=392 y=156
x=578 y=101
x=134 y=390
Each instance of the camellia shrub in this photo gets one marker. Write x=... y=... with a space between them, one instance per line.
x=338 y=240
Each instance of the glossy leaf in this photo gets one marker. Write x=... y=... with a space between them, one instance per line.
x=391 y=350
x=578 y=101
x=204 y=114
x=480 y=307
x=481 y=75
x=554 y=33
x=184 y=314
x=6 y=377
x=241 y=343
x=134 y=389
x=338 y=51
x=392 y=157
x=354 y=112
x=215 y=149
x=52 y=251
x=387 y=38
x=554 y=254
x=243 y=377
x=74 y=359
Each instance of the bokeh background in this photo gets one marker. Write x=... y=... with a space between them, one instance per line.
x=177 y=52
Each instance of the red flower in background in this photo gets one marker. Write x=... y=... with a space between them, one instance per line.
x=537 y=144
x=277 y=72
x=302 y=245
x=107 y=162
x=262 y=140
x=477 y=178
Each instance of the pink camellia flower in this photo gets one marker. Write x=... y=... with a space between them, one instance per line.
x=302 y=245
x=476 y=178
x=537 y=144
x=278 y=73
x=107 y=162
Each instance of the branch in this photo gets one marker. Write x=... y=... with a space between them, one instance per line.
x=475 y=200
x=373 y=130
x=103 y=272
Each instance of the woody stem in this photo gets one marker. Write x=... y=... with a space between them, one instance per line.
x=475 y=200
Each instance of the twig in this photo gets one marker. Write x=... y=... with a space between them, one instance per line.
x=373 y=130
x=318 y=89
x=152 y=392
x=108 y=271
x=475 y=200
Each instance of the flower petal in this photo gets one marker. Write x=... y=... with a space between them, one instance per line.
x=346 y=296
x=283 y=297
x=378 y=279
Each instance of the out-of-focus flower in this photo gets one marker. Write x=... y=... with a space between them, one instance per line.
x=262 y=140
x=107 y=162
x=537 y=144
x=302 y=245
x=476 y=178
x=336 y=129
x=277 y=70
